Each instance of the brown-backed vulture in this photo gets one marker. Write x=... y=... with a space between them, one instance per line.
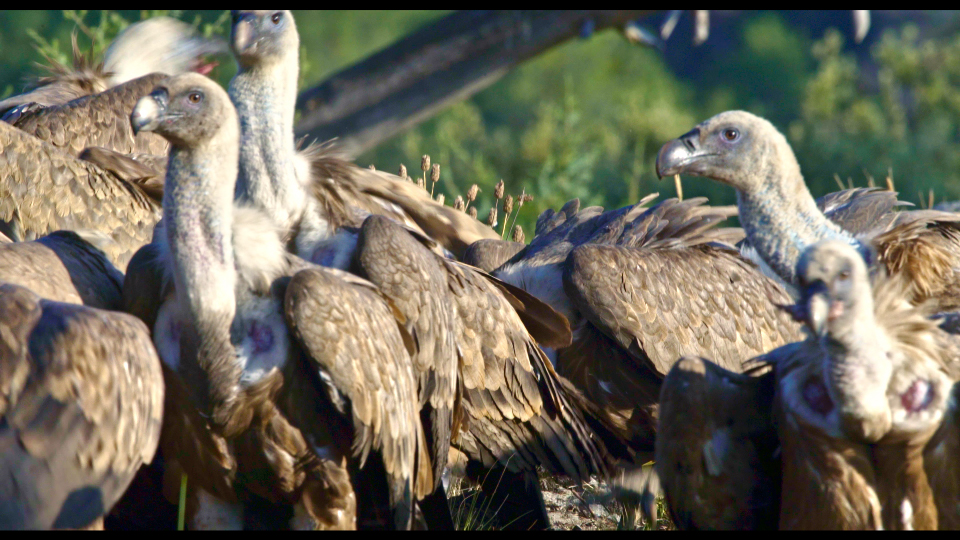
x=642 y=287
x=471 y=331
x=291 y=398
x=111 y=194
x=837 y=429
x=482 y=335
x=45 y=190
x=96 y=120
x=781 y=218
x=81 y=390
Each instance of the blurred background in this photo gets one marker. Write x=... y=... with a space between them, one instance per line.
x=586 y=118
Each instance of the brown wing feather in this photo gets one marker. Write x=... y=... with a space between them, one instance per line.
x=326 y=312
x=860 y=210
x=716 y=446
x=607 y=376
x=43 y=190
x=383 y=193
x=489 y=254
x=98 y=120
x=82 y=398
x=412 y=277
x=667 y=303
x=926 y=246
x=547 y=326
x=65 y=268
x=514 y=407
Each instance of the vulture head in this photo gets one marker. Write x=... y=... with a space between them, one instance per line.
x=736 y=148
x=187 y=110
x=159 y=45
x=263 y=36
x=879 y=372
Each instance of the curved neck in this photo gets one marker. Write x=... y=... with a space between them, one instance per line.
x=198 y=219
x=781 y=219
x=265 y=97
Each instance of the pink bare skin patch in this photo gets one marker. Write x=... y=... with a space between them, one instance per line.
x=918 y=397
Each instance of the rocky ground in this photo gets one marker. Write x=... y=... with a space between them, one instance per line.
x=590 y=506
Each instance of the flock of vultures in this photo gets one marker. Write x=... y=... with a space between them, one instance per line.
x=197 y=317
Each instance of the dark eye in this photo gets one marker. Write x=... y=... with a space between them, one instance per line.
x=195 y=97
x=730 y=134
x=845 y=275
x=276 y=17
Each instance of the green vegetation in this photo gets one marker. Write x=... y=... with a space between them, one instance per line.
x=587 y=118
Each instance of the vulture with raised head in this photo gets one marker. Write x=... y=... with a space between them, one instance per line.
x=474 y=336
x=837 y=429
x=311 y=193
x=781 y=218
x=641 y=287
x=81 y=390
x=291 y=398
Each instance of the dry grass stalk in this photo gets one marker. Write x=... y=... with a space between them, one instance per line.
x=425 y=166
x=507 y=210
x=472 y=194
x=440 y=198
x=492 y=217
x=522 y=198
x=676 y=182
x=403 y=171
x=434 y=176
x=518 y=234
x=472 y=212
x=458 y=204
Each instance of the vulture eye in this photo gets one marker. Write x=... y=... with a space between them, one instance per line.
x=195 y=97
x=276 y=17
x=845 y=275
x=730 y=134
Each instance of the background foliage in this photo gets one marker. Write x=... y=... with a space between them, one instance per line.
x=587 y=118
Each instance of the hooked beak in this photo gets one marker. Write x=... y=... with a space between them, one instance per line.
x=815 y=308
x=681 y=155
x=149 y=111
x=245 y=37
x=818 y=313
